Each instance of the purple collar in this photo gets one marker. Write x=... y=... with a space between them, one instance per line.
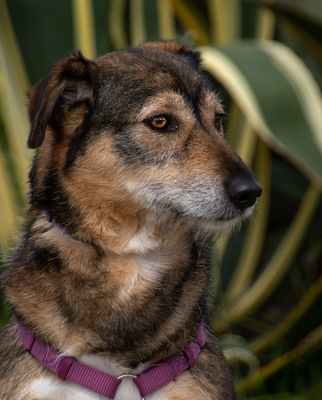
x=49 y=218
x=68 y=368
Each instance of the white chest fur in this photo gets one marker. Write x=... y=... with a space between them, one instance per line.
x=53 y=389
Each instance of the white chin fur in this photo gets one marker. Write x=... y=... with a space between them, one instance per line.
x=224 y=226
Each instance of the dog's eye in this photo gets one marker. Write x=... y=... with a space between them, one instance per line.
x=163 y=123
x=159 y=122
x=218 y=121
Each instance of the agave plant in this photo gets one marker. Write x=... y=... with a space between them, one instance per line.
x=264 y=59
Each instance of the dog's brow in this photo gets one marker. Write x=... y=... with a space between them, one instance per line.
x=163 y=103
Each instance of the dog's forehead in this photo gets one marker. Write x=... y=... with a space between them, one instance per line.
x=144 y=73
x=129 y=79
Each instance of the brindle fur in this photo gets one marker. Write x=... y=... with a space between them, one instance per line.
x=126 y=279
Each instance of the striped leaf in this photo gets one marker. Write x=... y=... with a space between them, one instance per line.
x=278 y=95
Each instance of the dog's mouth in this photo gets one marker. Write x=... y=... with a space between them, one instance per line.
x=227 y=220
x=224 y=223
x=201 y=206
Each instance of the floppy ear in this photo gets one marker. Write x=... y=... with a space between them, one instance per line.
x=68 y=85
x=176 y=48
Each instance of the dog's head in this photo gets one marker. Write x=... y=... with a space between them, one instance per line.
x=134 y=135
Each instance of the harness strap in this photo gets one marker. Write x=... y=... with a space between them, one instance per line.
x=68 y=368
x=156 y=377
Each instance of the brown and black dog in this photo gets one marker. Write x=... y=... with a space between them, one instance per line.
x=131 y=167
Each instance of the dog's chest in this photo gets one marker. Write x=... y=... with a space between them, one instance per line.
x=53 y=389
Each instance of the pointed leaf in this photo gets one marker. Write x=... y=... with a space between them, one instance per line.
x=279 y=96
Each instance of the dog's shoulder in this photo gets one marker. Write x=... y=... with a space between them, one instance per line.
x=16 y=364
x=211 y=369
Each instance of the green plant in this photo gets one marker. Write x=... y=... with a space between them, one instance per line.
x=264 y=57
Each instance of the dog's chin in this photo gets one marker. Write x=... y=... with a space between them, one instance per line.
x=221 y=225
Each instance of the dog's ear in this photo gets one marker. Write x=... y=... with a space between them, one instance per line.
x=176 y=48
x=68 y=85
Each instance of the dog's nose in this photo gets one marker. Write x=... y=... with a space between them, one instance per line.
x=244 y=191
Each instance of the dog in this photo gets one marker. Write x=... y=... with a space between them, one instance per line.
x=108 y=281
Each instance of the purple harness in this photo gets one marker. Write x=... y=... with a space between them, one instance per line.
x=68 y=368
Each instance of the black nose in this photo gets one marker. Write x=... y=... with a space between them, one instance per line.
x=244 y=191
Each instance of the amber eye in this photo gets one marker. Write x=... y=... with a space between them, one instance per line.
x=159 y=122
x=218 y=121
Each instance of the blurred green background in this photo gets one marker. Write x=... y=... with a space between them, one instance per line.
x=264 y=58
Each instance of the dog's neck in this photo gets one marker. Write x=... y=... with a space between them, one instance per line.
x=152 y=233
x=98 y=300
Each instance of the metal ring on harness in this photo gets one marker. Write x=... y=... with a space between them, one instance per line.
x=127 y=376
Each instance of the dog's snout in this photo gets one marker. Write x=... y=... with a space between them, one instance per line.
x=244 y=191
